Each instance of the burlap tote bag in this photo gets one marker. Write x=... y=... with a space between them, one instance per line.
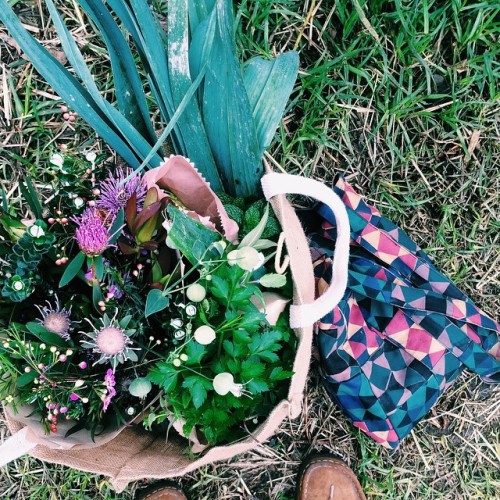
x=131 y=453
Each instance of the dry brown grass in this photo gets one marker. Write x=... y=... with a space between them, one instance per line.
x=425 y=152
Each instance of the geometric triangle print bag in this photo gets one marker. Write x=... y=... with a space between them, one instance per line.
x=401 y=334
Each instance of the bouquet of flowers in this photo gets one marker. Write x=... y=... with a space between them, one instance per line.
x=148 y=291
x=139 y=295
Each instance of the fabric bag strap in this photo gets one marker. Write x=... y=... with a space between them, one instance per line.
x=274 y=184
x=16 y=446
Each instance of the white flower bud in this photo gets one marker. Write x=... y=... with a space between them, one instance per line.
x=190 y=310
x=204 y=335
x=224 y=383
x=36 y=231
x=196 y=292
x=57 y=160
x=247 y=258
x=91 y=156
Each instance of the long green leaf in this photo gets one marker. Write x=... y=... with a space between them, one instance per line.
x=227 y=113
x=31 y=197
x=72 y=269
x=269 y=85
x=172 y=123
x=45 y=335
x=134 y=138
x=154 y=49
x=124 y=13
x=68 y=88
x=180 y=78
x=201 y=43
x=190 y=138
x=116 y=228
x=129 y=88
x=5 y=203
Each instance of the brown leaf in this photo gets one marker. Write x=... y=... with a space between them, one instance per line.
x=179 y=177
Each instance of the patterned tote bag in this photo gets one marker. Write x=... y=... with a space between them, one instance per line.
x=402 y=333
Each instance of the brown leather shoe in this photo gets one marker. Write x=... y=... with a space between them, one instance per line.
x=161 y=491
x=327 y=478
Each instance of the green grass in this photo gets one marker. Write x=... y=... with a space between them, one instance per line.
x=403 y=99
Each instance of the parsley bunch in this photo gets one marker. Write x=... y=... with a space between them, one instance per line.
x=254 y=357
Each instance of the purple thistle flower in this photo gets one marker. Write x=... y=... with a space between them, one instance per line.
x=115 y=192
x=92 y=234
x=110 y=382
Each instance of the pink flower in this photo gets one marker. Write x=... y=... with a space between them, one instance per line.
x=92 y=235
x=110 y=382
x=179 y=177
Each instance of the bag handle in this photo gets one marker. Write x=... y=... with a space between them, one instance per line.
x=274 y=184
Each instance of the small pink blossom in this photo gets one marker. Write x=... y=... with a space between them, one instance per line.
x=110 y=382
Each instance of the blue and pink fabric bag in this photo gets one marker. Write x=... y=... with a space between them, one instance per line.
x=402 y=332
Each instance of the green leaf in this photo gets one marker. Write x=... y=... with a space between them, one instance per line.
x=263 y=244
x=267 y=341
x=269 y=356
x=196 y=386
x=129 y=88
x=125 y=321
x=31 y=197
x=195 y=353
x=172 y=126
x=252 y=369
x=155 y=302
x=26 y=378
x=227 y=113
x=215 y=417
x=45 y=335
x=140 y=145
x=219 y=287
x=186 y=231
x=5 y=203
x=150 y=37
x=257 y=386
x=243 y=295
x=96 y=293
x=273 y=280
x=202 y=38
x=229 y=348
x=98 y=265
x=193 y=131
x=165 y=375
x=251 y=322
x=279 y=374
x=269 y=85
x=254 y=235
x=72 y=268
x=242 y=336
x=116 y=228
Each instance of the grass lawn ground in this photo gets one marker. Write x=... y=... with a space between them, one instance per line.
x=403 y=98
